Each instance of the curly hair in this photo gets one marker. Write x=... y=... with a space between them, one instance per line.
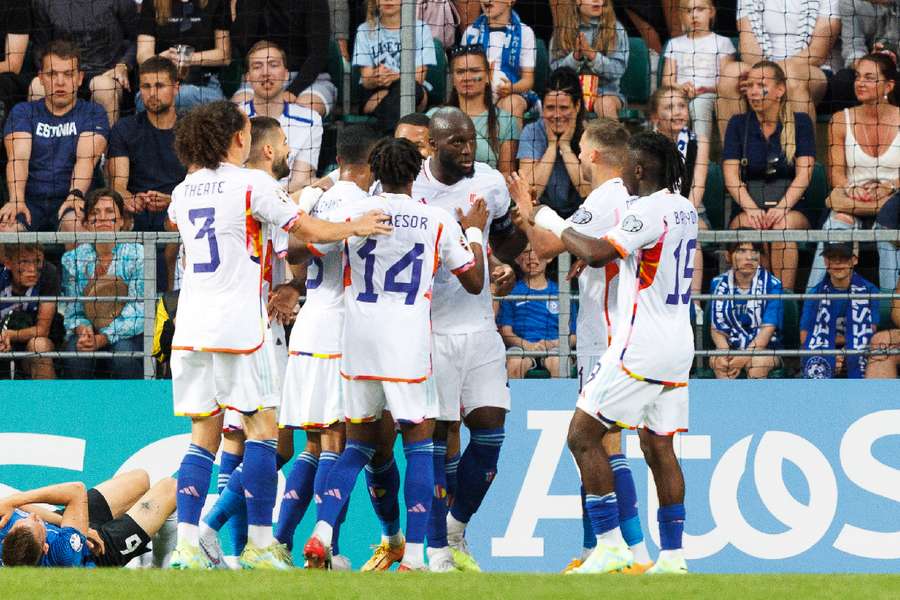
x=660 y=159
x=203 y=136
x=21 y=549
x=395 y=162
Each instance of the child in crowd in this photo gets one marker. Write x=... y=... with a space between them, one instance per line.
x=590 y=40
x=693 y=62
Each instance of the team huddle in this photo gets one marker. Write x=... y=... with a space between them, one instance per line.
x=396 y=254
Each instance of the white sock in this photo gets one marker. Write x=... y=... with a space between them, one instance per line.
x=189 y=533
x=260 y=535
x=670 y=554
x=455 y=527
x=205 y=530
x=324 y=532
x=434 y=553
x=640 y=552
x=585 y=552
x=414 y=556
x=613 y=537
x=392 y=540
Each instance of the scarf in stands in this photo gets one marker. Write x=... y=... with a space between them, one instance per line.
x=858 y=331
x=512 y=47
x=809 y=12
x=740 y=328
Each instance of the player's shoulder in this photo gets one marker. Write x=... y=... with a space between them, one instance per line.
x=296 y=114
x=485 y=174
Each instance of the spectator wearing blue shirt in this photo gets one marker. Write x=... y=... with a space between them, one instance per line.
x=53 y=146
x=768 y=159
x=745 y=324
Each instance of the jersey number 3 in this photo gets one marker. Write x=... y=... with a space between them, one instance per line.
x=208 y=231
x=410 y=288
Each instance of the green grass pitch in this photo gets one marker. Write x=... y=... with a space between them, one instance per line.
x=172 y=585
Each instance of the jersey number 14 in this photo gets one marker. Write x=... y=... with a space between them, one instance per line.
x=412 y=259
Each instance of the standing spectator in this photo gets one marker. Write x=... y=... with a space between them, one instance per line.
x=104 y=31
x=267 y=73
x=694 y=61
x=302 y=29
x=29 y=326
x=864 y=153
x=548 y=148
x=863 y=24
x=745 y=324
x=52 y=145
x=768 y=158
x=590 y=40
x=496 y=131
x=199 y=28
x=511 y=51
x=377 y=53
x=831 y=324
x=886 y=366
x=795 y=34
x=15 y=27
x=104 y=269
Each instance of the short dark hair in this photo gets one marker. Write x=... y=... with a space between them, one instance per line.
x=355 y=143
x=159 y=64
x=11 y=250
x=203 y=135
x=94 y=196
x=21 y=549
x=395 y=161
x=730 y=247
x=260 y=128
x=414 y=119
x=62 y=49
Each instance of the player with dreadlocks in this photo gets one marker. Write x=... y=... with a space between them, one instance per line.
x=642 y=378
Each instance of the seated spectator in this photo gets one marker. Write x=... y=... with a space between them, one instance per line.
x=194 y=36
x=531 y=324
x=745 y=324
x=52 y=145
x=886 y=366
x=865 y=23
x=414 y=127
x=589 y=40
x=104 y=269
x=104 y=31
x=768 y=158
x=496 y=131
x=548 y=148
x=302 y=29
x=654 y=21
x=836 y=323
x=669 y=115
x=29 y=326
x=864 y=162
x=267 y=73
x=377 y=53
x=511 y=51
x=798 y=38
x=694 y=61
x=15 y=27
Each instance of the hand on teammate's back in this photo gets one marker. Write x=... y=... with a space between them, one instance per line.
x=282 y=304
x=476 y=217
x=374 y=222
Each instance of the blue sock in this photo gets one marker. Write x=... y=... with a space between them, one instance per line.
x=384 y=491
x=477 y=470
x=327 y=460
x=230 y=503
x=590 y=540
x=603 y=512
x=437 y=522
x=260 y=481
x=280 y=461
x=227 y=464
x=418 y=489
x=452 y=468
x=222 y=510
x=193 y=483
x=336 y=531
x=671 y=526
x=341 y=479
x=626 y=495
x=297 y=495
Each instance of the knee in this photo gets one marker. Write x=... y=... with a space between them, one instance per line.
x=842 y=218
x=39 y=344
x=105 y=86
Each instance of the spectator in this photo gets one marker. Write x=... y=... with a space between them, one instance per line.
x=340 y=29
x=104 y=31
x=29 y=326
x=53 y=145
x=768 y=158
x=798 y=36
x=864 y=152
x=651 y=20
x=745 y=324
x=302 y=29
x=886 y=366
x=694 y=61
x=669 y=115
x=511 y=51
x=863 y=24
x=377 y=53
x=104 y=269
x=531 y=325
x=548 y=148
x=832 y=324
x=199 y=28
x=15 y=27
x=267 y=73
x=496 y=131
x=589 y=40
x=414 y=127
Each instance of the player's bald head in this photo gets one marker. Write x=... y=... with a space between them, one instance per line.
x=449 y=121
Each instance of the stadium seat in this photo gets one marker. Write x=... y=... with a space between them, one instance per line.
x=884 y=310
x=436 y=77
x=714 y=197
x=230 y=77
x=790 y=325
x=336 y=72
x=660 y=65
x=541 y=68
x=537 y=374
x=636 y=80
x=816 y=194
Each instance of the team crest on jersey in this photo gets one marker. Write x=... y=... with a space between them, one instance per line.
x=817 y=367
x=632 y=224
x=75 y=542
x=581 y=216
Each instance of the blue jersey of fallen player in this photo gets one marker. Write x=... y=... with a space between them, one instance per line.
x=67 y=546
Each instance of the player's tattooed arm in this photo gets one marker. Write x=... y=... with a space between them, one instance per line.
x=72 y=495
x=472 y=224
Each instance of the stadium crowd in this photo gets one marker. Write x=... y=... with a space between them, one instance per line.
x=786 y=115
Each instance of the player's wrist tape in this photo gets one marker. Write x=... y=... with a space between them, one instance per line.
x=308 y=198
x=475 y=236
x=547 y=218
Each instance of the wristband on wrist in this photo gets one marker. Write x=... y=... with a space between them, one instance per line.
x=547 y=218
x=77 y=193
x=475 y=236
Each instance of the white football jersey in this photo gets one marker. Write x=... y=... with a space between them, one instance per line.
x=387 y=333
x=221 y=214
x=303 y=128
x=455 y=310
x=599 y=214
x=320 y=323
x=653 y=339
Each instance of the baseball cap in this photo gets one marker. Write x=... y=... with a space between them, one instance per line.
x=843 y=249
